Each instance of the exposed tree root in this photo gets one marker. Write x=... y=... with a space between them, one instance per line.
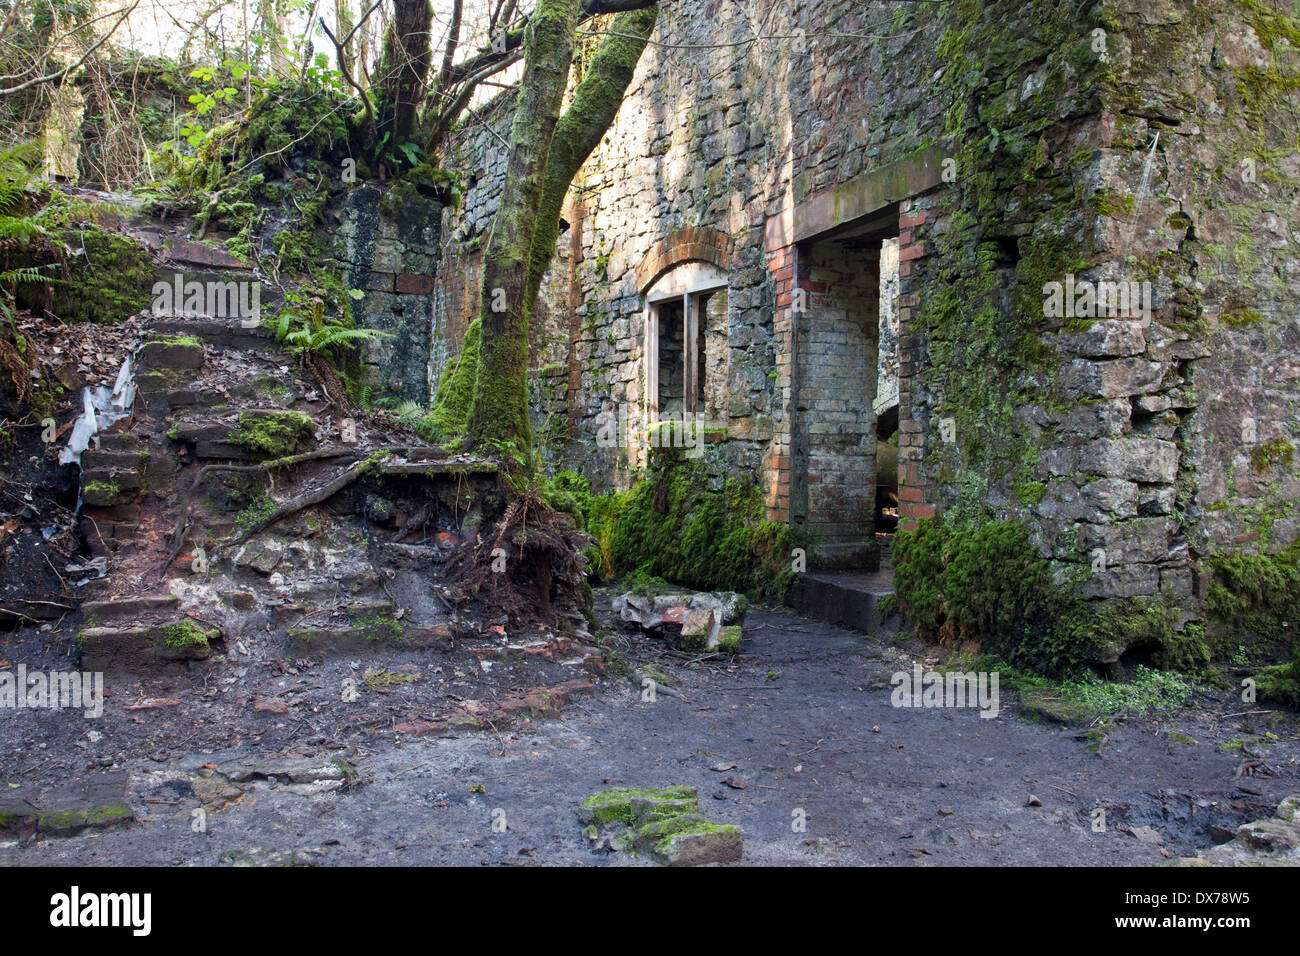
x=530 y=560
x=350 y=474
x=354 y=472
x=328 y=379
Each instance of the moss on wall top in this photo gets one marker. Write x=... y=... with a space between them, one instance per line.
x=110 y=277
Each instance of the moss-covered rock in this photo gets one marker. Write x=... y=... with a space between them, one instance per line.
x=110 y=277
x=272 y=434
x=665 y=823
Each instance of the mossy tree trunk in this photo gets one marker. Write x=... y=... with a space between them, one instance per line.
x=499 y=415
x=403 y=68
x=589 y=115
x=546 y=152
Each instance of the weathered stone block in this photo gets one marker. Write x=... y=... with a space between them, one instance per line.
x=1148 y=460
x=1108 y=337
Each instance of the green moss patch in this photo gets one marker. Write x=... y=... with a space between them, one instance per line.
x=185 y=634
x=110 y=278
x=983 y=582
x=274 y=434
x=1281 y=683
x=449 y=416
x=1256 y=597
x=1276 y=452
x=672 y=526
x=665 y=822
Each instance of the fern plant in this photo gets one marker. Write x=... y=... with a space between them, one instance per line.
x=302 y=326
x=24 y=211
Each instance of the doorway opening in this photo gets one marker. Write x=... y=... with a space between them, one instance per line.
x=845 y=460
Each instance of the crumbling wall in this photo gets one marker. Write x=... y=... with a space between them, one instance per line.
x=717 y=139
x=1211 y=213
x=386 y=241
x=1016 y=145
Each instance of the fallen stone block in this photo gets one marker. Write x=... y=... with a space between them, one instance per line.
x=701 y=615
x=97 y=802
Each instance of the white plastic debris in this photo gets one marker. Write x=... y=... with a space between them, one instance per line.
x=101 y=407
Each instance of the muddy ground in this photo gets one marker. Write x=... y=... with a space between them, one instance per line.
x=800 y=725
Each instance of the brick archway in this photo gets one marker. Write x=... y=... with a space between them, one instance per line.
x=692 y=244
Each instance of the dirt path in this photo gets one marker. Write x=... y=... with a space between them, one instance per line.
x=797 y=718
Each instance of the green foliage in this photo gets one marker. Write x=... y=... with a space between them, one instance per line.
x=258 y=510
x=672 y=526
x=1281 y=684
x=1257 y=593
x=970 y=580
x=1088 y=697
x=987 y=584
x=221 y=137
x=22 y=221
x=303 y=326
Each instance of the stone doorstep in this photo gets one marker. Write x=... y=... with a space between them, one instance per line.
x=843 y=598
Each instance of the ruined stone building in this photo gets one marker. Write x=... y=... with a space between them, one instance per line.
x=1093 y=208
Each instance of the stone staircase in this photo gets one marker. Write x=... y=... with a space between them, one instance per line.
x=359 y=576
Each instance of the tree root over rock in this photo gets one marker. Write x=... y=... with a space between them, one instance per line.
x=531 y=560
x=352 y=473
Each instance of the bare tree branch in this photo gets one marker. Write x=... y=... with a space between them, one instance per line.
x=60 y=74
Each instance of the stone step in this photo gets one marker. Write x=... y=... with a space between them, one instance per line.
x=192 y=397
x=130 y=608
x=364 y=639
x=410 y=555
x=226 y=333
x=172 y=352
x=255 y=434
x=144 y=648
x=848 y=598
x=101 y=491
x=115 y=442
x=123 y=469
